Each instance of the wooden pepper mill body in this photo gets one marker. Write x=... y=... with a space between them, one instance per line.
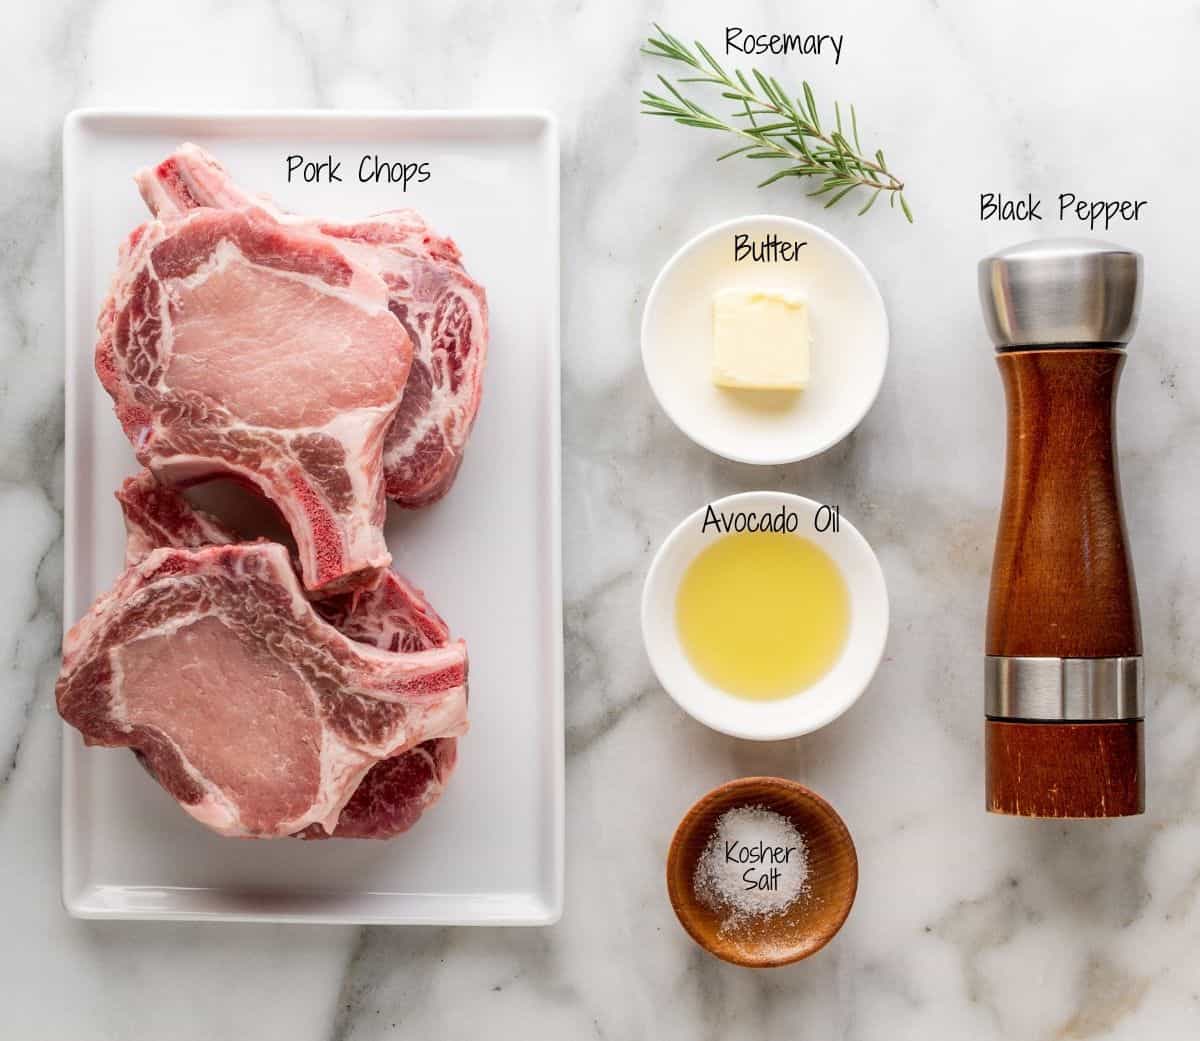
x=1063 y=702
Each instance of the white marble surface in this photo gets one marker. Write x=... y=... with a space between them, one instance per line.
x=966 y=926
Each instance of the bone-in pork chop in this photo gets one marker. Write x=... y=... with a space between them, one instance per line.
x=258 y=716
x=443 y=310
x=233 y=345
x=394 y=616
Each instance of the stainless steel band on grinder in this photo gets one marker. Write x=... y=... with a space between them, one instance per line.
x=1063 y=689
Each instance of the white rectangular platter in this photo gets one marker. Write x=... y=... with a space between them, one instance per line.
x=488 y=554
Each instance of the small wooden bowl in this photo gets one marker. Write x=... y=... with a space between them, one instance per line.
x=813 y=920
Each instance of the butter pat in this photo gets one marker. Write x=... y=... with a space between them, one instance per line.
x=760 y=339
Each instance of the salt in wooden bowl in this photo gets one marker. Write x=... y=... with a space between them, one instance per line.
x=817 y=914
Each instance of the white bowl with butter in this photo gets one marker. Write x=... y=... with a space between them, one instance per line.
x=816 y=703
x=765 y=339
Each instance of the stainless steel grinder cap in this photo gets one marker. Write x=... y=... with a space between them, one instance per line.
x=1061 y=292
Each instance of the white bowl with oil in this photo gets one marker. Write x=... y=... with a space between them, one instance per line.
x=850 y=337
x=814 y=704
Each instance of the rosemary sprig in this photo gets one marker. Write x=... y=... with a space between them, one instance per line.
x=775 y=126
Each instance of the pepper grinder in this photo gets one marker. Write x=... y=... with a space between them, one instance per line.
x=1063 y=671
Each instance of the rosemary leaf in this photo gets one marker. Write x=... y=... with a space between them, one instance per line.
x=782 y=95
x=841 y=195
x=769 y=129
x=812 y=106
x=870 y=202
x=736 y=151
x=712 y=62
x=765 y=86
x=789 y=171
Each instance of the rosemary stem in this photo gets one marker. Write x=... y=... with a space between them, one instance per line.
x=775 y=124
x=894 y=184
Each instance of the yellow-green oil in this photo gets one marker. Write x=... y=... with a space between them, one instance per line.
x=762 y=615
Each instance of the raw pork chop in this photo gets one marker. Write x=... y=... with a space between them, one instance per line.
x=234 y=345
x=441 y=308
x=395 y=616
x=259 y=717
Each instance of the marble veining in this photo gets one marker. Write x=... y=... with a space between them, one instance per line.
x=966 y=926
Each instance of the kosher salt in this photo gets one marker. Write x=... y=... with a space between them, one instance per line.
x=754 y=867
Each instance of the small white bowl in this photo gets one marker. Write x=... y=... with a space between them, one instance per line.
x=849 y=344
x=799 y=713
